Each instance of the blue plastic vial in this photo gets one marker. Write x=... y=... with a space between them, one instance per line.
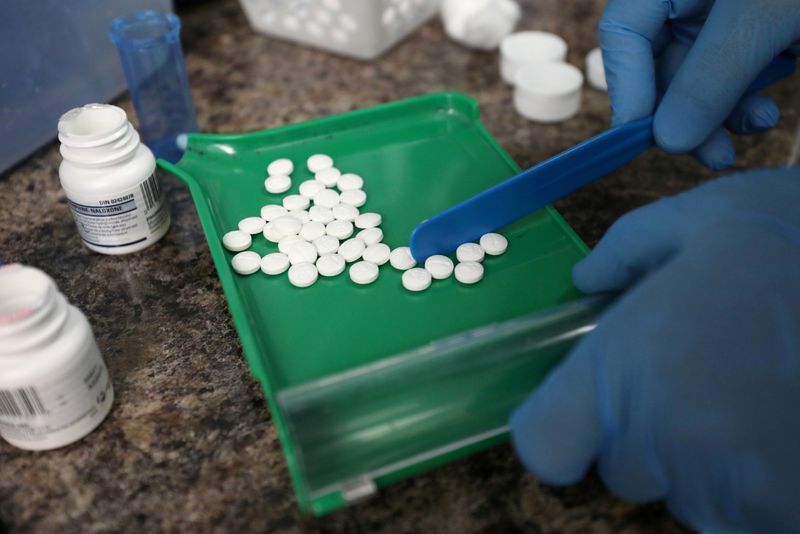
x=150 y=50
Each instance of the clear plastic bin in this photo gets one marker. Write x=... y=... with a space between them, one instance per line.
x=55 y=56
x=358 y=429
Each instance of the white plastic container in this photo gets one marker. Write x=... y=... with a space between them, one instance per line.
x=595 y=70
x=548 y=92
x=480 y=24
x=363 y=29
x=526 y=48
x=54 y=386
x=110 y=182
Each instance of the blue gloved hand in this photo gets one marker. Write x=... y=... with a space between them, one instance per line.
x=702 y=55
x=688 y=390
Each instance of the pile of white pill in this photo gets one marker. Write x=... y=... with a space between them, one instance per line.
x=321 y=229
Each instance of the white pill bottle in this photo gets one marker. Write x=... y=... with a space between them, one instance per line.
x=54 y=386
x=110 y=182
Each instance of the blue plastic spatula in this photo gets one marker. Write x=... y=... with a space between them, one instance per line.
x=550 y=180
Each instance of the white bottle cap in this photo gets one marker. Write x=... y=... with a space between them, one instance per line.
x=595 y=71
x=548 y=92
x=526 y=48
x=95 y=135
x=92 y=125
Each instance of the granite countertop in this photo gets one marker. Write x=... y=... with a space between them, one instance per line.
x=189 y=444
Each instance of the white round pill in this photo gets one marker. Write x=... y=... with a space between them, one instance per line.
x=350 y=182
x=328 y=177
x=277 y=184
x=236 y=241
x=352 y=249
x=330 y=265
x=377 y=253
x=317 y=162
x=246 y=262
x=303 y=252
x=286 y=243
x=417 y=279
x=270 y=212
x=401 y=258
x=326 y=198
x=309 y=188
x=439 y=266
x=344 y=212
x=252 y=225
x=287 y=225
x=320 y=214
x=295 y=202
x=303 y=274
x=370 y=236
x=271 y=233
x=275 y=263
x=326 y=245
x=494 y=244
x=363 y=272
x=368 y=220
x=354 y=197
x=301 y=215
x=280 y=166
x=312 y=230
x=469 y=272
x=339 y=229
x=470 y=252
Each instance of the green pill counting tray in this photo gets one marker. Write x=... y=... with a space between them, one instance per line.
x=370 y=384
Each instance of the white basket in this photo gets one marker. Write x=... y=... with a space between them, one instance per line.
x=363 y=29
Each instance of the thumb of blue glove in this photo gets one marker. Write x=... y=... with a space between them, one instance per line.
x=688 y=390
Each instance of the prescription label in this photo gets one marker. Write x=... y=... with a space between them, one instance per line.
x=127 y=218
x=57 y=407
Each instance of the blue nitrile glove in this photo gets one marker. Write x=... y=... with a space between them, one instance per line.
x=705 y=54
x=688 y=390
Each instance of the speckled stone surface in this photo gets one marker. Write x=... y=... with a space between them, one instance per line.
x=189 y=445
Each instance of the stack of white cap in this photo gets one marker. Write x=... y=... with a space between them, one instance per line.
x=546 y=88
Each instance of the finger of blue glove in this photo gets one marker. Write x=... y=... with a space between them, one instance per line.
x=627 y=35
x=645 y=239
x=754 y=113
x=736 y=43
x=662 y=39
x=637 y=244
x=627 y=461
x=717 y=152
x=668 y=63
x=557 y=431
x=630 y=468
x=579 y=415
x=751 y=114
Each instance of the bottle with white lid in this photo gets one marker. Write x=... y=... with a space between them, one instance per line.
x=110 y=182
x=54 y=386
